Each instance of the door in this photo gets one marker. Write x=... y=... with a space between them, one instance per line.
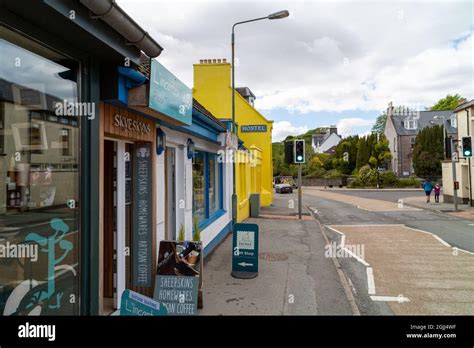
x=171 y=193
x=116 y=229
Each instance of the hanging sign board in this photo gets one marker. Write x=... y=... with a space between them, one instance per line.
x=169 y=95
x=245 y=251
x=177 y=280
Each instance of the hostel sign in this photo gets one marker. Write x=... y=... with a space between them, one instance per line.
x=256 y=128
x=245 y=251
x=142 y=216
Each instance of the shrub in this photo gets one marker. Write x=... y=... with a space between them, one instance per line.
x=367 y=175
x=333 y=174
x=408 y=182
x=388 y=179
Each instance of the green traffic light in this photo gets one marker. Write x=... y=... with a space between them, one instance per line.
x=300 y=158
x=467 y=153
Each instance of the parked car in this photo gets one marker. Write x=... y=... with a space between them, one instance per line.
x=283 y=188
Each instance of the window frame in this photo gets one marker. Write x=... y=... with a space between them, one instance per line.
x=210 y=217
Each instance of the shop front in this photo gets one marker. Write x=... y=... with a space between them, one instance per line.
x=127 y=243
x=194 y=182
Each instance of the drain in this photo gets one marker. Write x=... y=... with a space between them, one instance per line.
x=272 y=257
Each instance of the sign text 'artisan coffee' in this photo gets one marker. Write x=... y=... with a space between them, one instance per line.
x=131 y=125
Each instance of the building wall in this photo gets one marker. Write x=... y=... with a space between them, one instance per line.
x=405 y=155
x=212 y=88
x=392 y=138
x=184 y=191
x=465 y=125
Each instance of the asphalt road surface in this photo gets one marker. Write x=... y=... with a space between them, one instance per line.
x=414 y=272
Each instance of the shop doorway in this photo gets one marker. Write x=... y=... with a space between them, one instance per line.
x=117 y=221
x=170 y=156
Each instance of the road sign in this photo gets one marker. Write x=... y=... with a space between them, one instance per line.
x=245 y=251
x=133 y=303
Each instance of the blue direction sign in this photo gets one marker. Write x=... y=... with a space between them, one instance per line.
x=245 y=251
x=133 y=303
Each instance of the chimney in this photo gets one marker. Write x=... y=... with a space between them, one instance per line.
x=333 y=129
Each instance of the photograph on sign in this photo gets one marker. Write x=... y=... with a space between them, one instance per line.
x=179 y=258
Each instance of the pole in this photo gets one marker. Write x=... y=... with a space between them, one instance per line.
x=234 y=132
x=453 y=163
x=299 y=192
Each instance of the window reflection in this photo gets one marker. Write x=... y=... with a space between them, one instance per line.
x=39 y=182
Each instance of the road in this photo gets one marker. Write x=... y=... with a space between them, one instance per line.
x=413 y=261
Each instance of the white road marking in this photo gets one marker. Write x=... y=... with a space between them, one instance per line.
x=370 y=281
x=362 y=261
x=390 y=298
x=434 y=235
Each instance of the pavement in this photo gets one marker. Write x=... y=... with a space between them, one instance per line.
x=295 y=277
x=464 y=210
x=360 y=202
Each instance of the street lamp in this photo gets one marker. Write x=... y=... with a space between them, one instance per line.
x=276 y=15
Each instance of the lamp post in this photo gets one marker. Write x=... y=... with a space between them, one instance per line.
x=276 y=15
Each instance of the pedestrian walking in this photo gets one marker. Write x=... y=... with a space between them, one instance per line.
x=428 y=187
x=437 y=190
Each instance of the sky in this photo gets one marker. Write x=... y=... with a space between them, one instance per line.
x=330 y=62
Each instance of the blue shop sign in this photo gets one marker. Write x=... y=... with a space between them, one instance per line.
x=169 y=95
x=253 y=128
x=134 y=303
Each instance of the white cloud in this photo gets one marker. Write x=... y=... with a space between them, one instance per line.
x=282 y=129
x=353 y=125
x=329 y=55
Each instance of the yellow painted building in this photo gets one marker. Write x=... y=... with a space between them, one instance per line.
x=213 y=89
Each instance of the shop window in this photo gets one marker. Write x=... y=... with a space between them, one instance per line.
x=199 y=202
x=39 y=187
x=207 y=186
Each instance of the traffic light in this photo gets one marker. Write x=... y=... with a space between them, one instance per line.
x=467 y=146
x=289 y=149
x=299 y=151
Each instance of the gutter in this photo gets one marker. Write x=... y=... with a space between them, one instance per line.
x=121 y=22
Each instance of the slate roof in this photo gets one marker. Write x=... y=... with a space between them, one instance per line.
x=320 y=138
x=424 y=120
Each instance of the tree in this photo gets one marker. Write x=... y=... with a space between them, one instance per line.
x=450 y=102
x=346 y=163
x=363 y=153
x=379 y=126
x=428 y=152
x=380 y=151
